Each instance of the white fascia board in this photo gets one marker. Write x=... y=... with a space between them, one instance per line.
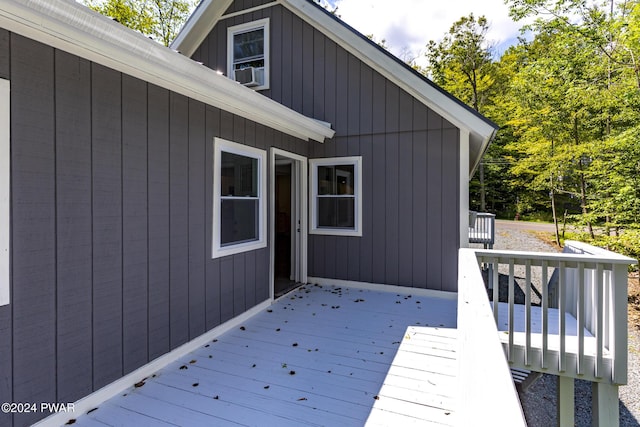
x=199 y=25
x=78 y=30
x=438 y=101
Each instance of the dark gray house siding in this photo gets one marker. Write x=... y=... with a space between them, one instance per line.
x=111 y=225
x=410 y=154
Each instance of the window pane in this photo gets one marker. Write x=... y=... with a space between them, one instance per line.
x=238 y=221
x=326 y=180
x=344 y=179
x=248 y=46
x=337 y=212
x=336 y=180
x=239 y=175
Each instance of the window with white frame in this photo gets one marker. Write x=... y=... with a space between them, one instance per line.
x=5 y=189
x=336 y=196
x=248 y=54
x=239 y=205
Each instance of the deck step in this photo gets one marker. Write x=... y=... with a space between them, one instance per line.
x=524 y=378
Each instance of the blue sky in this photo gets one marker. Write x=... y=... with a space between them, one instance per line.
x=407 y=25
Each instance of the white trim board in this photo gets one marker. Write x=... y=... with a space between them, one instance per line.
x=98 y=397
x=380 y=287
x=76 y=29
x=222 y=145
x=356 y=161
x=5 y=190
x=464 y=189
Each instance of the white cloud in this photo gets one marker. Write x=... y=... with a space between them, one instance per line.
x=408 y=25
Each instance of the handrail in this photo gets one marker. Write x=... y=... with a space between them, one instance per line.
x=484 y=376
x=482 y=228
x=588 y=338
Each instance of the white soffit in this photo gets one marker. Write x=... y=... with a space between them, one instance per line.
x=199 y=25
x=74 y=28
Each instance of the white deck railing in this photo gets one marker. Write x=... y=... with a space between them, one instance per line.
x=482 y=228
x=484 y=376
x=579 y=329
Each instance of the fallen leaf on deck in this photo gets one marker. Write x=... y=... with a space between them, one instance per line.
x=138 y=385
x=302 y=398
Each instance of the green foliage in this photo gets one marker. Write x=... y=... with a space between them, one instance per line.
x=158 y=19
x=567 y=99
x=461 y=61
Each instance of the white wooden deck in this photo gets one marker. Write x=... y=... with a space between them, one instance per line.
x=322 y=356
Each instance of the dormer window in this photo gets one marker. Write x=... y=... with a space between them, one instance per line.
x=248 y=54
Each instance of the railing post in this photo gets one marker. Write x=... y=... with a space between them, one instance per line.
x=619 y=314
x=605 y=410
x=566 y=405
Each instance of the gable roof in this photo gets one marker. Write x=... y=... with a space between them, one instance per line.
x=74 y=28
x=481 y=130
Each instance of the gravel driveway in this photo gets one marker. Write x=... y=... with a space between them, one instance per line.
x=539 y=401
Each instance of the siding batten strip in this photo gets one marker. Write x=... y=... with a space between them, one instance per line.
x=5 y=189
x=527 y=303
x=545 y=316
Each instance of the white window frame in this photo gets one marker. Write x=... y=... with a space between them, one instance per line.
x=243 y=28
x=223 y=145
x=5 y=189
x=356 y=161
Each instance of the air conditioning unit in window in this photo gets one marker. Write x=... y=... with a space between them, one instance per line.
x=250 y=76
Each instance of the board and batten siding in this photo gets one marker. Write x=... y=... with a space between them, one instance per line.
x=111 y=225
x=410 y=154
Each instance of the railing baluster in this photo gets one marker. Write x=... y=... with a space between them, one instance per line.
x=496 y=288
x=599 y=317
x=511 y=308
x=594 y=310
x=580 y=312
x=562 y=359
x=527 y=315
x=545 y=315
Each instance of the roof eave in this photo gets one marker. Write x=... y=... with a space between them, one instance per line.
x=76 y=29
x=388 y=65
x=199 y=25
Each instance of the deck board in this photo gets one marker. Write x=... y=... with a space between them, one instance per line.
x=322 y=356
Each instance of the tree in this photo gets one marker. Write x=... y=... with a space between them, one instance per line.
x=158 y=19
x=462 y=64
x=581 y=72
